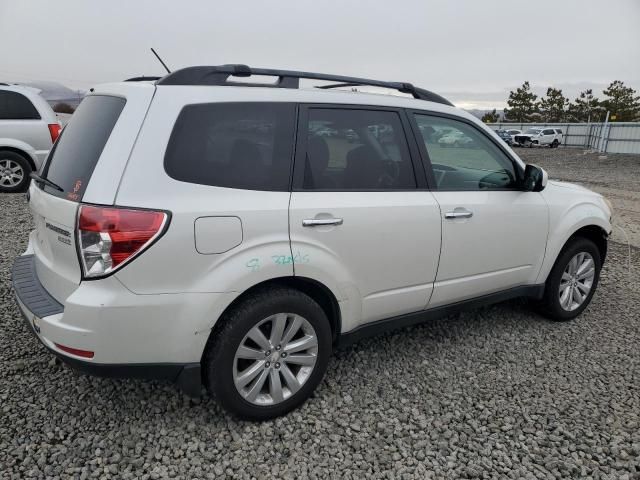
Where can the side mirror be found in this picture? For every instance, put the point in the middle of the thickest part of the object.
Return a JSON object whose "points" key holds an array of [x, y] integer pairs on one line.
{"points": [[535, 178]]}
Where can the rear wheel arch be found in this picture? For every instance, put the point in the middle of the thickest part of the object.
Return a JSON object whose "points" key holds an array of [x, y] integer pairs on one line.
{"points": [[21, 153], [317, 291]]}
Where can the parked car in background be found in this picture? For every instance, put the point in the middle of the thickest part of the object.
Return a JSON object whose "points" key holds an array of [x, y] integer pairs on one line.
{"points": [[513, 132], [204, 233], [455, 138], [505, 136], [28, 129], [539, 136]]}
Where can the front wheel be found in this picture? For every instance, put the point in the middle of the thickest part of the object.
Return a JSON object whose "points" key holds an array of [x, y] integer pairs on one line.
{"points": [[269, 354], [572, 281]]}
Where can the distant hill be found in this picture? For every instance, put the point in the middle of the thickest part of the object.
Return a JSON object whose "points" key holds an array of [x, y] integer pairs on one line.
{"points": [[54, 92]]}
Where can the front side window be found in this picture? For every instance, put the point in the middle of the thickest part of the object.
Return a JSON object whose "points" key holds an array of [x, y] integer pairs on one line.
{"points": [[234, 145], [15, 106], [462, 157], [351, 149]]}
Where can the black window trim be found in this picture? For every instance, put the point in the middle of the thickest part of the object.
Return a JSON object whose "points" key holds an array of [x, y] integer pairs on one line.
{"points": [[426, 160], [300, 149], [34, 118]]}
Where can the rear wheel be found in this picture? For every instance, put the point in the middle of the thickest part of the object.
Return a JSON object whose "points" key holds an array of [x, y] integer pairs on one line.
{"points": [[572, 281], [269, 354], [555, 143], [14, 172]]}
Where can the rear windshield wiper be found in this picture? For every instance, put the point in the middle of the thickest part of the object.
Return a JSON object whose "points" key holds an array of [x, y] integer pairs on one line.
{"points": [[38, 179]]}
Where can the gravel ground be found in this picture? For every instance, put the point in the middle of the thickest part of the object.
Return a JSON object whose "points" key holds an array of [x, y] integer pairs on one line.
{"points": [[492, 393]]}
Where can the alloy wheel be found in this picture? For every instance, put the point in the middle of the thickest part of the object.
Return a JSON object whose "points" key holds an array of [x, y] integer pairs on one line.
{"points": [[577, 281], [11, 173], [275, 358]]}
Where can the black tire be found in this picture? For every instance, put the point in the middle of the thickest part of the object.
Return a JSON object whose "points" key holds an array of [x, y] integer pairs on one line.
{"points": [[550, 306], [218, 360], [555, 144], [21, 161]]}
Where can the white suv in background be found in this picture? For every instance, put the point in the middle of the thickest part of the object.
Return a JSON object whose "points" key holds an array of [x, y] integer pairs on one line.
{"points": [[28, 129], [205, 231], [539, 136]]}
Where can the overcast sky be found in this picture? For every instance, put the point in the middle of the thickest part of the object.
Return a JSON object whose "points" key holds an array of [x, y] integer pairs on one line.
{"points": [[471, 51]]}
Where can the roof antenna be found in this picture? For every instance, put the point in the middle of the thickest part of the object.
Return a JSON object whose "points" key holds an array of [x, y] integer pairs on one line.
{"points": [[160, 60]]}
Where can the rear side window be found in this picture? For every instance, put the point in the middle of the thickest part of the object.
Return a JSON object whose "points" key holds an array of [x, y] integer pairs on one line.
{"points": [[80, 145], [15, 106], [234, 145]]}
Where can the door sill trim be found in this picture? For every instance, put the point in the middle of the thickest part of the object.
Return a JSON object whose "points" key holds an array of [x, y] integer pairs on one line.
{"points": [[407, 320]]}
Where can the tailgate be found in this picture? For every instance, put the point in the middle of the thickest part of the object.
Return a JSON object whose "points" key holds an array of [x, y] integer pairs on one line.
{"points": [[87, 164], [54, 244]]}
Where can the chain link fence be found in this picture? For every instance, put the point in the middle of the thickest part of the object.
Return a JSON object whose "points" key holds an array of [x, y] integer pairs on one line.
{"points": [[617, 137]]}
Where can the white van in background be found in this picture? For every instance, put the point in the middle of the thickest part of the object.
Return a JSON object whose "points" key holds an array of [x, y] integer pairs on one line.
{"points": [[28, 129]]}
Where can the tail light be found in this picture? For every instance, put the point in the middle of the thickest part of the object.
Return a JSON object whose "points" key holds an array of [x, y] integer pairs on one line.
{"points": [[54, 130], [109, 237]]}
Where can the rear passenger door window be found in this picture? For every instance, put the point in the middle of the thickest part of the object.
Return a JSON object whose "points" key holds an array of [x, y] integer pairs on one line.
{"points": [[355, 149], [234, 145], [463, 158]]}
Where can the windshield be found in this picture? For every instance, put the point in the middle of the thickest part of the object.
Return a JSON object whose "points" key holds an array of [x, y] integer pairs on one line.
{"points": [[533, 130]]}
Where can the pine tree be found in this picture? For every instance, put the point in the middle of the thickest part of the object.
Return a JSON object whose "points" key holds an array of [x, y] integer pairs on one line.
{"points": [[553, 106], [622, 102], [491, 117], [522, 104], [586, 108]]}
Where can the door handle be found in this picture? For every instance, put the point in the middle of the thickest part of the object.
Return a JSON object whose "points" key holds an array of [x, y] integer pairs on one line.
{"points": [[316, 222], [458, 213]]}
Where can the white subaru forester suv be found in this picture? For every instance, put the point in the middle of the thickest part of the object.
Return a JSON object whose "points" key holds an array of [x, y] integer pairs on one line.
{"points": [[212, 231]]}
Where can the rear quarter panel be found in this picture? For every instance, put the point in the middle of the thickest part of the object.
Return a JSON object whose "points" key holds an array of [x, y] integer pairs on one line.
{"points": [[173, 264]]}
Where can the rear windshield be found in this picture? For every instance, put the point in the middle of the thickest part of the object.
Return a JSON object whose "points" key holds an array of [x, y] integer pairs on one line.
{"points": [[234, 145], [76, 152]]}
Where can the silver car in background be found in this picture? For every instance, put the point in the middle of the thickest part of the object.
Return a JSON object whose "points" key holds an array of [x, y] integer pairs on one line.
{"points": [[28, 129]]}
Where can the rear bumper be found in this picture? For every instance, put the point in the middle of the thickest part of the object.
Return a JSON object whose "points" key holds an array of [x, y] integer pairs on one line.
{"points": [[43, 315]]}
